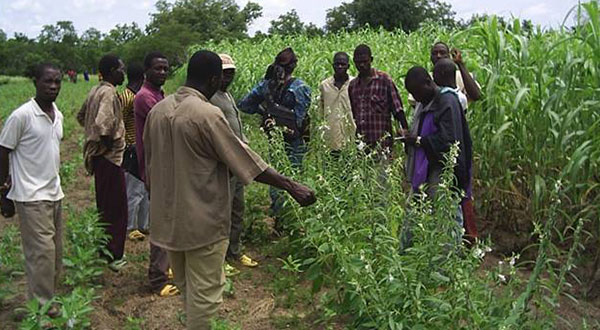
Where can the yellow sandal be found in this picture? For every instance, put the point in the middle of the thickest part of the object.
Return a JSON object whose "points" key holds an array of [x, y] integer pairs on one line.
{"points": [[169, 290]]}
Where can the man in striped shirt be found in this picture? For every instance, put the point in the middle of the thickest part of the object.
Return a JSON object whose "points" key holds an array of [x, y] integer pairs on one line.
{"points": [[137, 199]]}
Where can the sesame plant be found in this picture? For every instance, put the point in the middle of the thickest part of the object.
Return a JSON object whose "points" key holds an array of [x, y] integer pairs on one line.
{"points": [[534, 130]]}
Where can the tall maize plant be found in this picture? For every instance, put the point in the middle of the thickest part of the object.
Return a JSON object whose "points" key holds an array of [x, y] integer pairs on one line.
{"points": [[537, 151]]}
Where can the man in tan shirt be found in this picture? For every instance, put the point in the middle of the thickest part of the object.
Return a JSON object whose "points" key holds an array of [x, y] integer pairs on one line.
{"points": [[102, 118], [190, 150], [334, 105]]}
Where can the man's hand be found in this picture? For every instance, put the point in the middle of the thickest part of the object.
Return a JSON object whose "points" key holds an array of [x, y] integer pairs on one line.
{"points": [[302, 194], [457, 56]]}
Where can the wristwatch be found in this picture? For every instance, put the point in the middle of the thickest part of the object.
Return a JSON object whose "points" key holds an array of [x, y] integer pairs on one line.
{"points": [[418, 142]]}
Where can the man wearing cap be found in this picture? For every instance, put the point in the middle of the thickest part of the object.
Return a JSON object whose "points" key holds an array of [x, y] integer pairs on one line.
{"points": [[224, 100], [290, 94]]}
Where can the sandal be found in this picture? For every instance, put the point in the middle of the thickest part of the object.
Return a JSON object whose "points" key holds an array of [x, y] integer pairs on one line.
{"points": [[136, 235], [230, 270], [247, 261], [169, 290], [117, 265]]}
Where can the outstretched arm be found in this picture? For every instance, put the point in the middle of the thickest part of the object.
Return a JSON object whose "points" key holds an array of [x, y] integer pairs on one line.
{"points": [[301, 193], [473, 91]]}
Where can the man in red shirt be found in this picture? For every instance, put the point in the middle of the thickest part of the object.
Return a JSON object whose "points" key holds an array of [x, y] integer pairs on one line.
{"points": [[156, 68], [374, 99]]}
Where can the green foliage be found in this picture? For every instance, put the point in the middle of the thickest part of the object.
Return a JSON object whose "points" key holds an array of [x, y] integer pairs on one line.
{"points": [[533, 128], [134, 323], [290, 24], [407, 15], [222, 325], [75, 312], [87, 240], [11, 261], [172, 29]]}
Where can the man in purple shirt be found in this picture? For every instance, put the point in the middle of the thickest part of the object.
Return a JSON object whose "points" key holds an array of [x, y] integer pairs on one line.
{"points": [[156, 68]]}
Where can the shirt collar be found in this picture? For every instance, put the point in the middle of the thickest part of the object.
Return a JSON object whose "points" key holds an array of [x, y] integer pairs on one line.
{"points": [[152, 87], [331, 82], [106, 83], [188, 91], [38, 111], [377, 74]]}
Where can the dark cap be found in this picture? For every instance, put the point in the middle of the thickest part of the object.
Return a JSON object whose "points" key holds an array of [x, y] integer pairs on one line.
{"points": [[285, 57]]}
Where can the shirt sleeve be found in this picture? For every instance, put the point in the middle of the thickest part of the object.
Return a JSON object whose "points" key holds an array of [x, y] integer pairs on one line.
{"points": [[396, 104], [105, 119], [12, 131], [229, 149], [141, 107], [147, 154], [249, 103], [81, 113], [302, 96]]}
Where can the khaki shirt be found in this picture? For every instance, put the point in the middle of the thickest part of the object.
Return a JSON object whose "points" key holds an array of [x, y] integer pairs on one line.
{"points": [[225, 102], [190, 150], [334, 106], [101, 115]]}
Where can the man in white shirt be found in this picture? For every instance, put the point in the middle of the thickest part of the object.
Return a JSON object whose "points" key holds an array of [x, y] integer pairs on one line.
{"points": [[31, 136], [466, 86], [334, 105]]}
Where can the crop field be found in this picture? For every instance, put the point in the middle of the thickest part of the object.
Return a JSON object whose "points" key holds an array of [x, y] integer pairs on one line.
{"points": [[537, 191]]}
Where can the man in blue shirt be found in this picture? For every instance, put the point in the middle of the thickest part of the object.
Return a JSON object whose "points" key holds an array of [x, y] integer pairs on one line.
{"points": [[283, 101]]}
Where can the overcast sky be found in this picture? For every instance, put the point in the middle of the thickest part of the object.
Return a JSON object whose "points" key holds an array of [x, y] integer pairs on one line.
{"points": [[28, 16]]}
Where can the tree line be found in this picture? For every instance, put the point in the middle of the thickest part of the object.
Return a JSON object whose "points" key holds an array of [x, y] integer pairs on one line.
{"points": [[176, 26]]}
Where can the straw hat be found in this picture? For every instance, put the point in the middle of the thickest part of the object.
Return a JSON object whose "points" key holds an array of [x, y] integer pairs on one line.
{"points": [[228, 62]]}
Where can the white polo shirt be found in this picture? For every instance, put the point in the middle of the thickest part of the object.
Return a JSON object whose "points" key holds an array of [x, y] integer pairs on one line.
{"points": [[35, 158]]}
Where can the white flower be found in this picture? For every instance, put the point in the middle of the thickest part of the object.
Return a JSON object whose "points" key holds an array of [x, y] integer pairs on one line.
{"points": [[361, 145], [390, 278], [478, 253], [502, 277], [500, 263]]}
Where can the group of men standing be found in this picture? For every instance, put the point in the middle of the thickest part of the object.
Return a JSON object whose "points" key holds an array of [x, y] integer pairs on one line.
{"points": [[175, 167]]}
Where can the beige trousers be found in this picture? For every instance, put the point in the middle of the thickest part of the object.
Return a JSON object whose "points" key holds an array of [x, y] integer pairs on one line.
{"points": [[200, 277], [41, 236]]}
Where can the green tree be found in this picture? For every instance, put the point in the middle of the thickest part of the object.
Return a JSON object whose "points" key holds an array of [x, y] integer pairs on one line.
{"points": [[175, 26], [407, 15], [90, 48], [287, 24], [58, 44], [122, 34], [341, 17], [290, 24]]}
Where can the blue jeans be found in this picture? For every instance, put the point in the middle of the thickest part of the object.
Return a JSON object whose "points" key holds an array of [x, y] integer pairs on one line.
{"points": [[138, 204], [295, 151]]}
